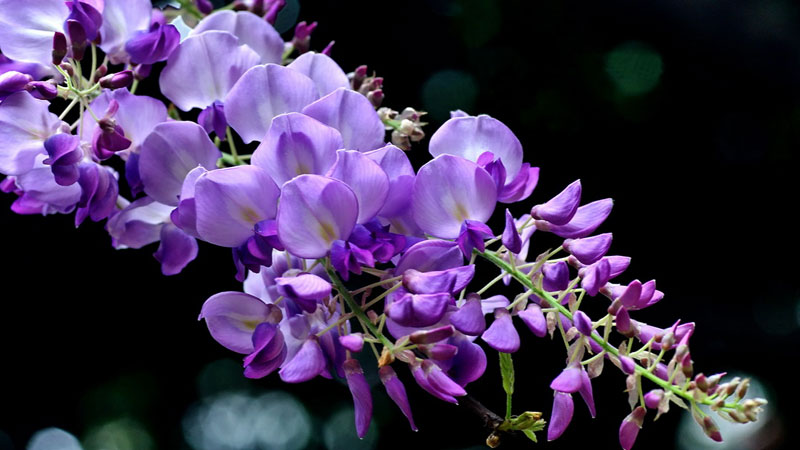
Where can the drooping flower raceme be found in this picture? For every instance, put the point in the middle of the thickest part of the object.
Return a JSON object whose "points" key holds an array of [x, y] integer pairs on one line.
{"points": [[319, 198]]}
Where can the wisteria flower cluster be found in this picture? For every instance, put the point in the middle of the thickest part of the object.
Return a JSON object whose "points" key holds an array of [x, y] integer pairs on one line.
{"points": [[322, 204]]}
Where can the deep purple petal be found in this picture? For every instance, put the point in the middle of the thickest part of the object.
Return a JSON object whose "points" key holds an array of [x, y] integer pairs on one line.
{"points": [[353, 115], [469, 318], [534, 319], [313, 213], [568, 381], [556, 276], [150, 47], [560, 209], [596, 276], [586, 392], [138, 224], [263, 93], [231, 201], [137, 114], [521, 186], [397, 392], [169, 153], [582, 322], [397, 167], [561, 415], [177, 249], [589, 250], [511, 238], [418, 310], [296, 144], [353, 342], [449, 190], [122, 19], [629, 429], [586, 220], [362, 399], [430, 255], [187, 87]]}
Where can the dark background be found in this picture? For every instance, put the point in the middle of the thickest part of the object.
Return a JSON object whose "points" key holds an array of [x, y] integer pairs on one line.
{"points": [[686, 113]]}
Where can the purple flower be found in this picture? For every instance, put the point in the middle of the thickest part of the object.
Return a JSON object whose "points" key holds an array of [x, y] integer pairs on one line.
{"points": [[137, 115], [99, 192], [87, 16], [416, 310], [11, 82], [176, 250], [397, 392], [438, 281], [362, 399], [430, 255], [430, 377], [589, 250], [313, 213], [353, 342], [555, 276], [586, 219], [213, 119], [472, 236], [501, 334], [469, 319], [232, 317], [534, 319], [188, 87], [65, 154], [305, 289], [307, 363], [511, 238], [25, 124], [323, 71], [269, 351], [353, 115], [562, 208], [449, 190], [26, 28], [583, 323], [366, 178], [40, 194], [122, 20], [261, 94], [251, 30]]}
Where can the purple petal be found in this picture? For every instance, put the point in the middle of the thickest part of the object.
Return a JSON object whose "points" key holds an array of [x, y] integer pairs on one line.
{"points": [[65, 155], [397, 167], [187, 87], [99, 192], [305, 289], [25, 124], [630, 297], [534, 319], [630, 427], [362, 399], [561, 415], [269, 353], [150, 47], [627, 364], [488, 305], [353, 115], [213, 119], [122, 19], [430, 255], [568, 381], [469, 137], [137, 114], [252, 31], [431, 336], [353, 342], [138, 224], [586, 220], [596, 276], [26, 28], [397, 392], [418, 310], [326, 74], [521, 186], [185, 215], [169, 153], [560, 209], [623, 322], [313, 213], [556, 276], [589, 250], [12, 81], [469, 318], [469, 364], [618, 264], [583, 323], [501, 334], [366, 178], [177, 249], [449, 190], [296, 144], [232, 317], [511, 238], [306, 364], [450, 280], [231, 201], [41, 194], [262, 93], [586, 393]]}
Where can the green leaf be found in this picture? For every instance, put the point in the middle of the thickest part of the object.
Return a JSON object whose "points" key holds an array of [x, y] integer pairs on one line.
{"points": [[507, 370], [531, 435]]}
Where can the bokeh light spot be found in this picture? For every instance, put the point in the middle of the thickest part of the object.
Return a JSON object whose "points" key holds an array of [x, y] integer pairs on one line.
{"points": [[53, 439], [634, 68], [447, 90], [340, 432], [122, 434]]}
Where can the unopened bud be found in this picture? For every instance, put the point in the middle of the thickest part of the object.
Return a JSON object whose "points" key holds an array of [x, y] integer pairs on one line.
{"points": [[67, 67], [59, 47], [739, 416], [401, 140], [711, 429], [117, 80], [142, 71], [274, 9], [77, 38], [431, 336], [373, 317], [45, 90], [741, 391], [686, 366], [668, 341], [732, 385], [327, 50], [375, 97], [99, 73], [701, 382], [357, 77], [653, 398], [551, 322], [204, 6]]}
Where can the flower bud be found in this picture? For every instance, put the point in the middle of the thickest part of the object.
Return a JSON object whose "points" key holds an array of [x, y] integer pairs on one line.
{"points": [[274, 9], [701, 382], [100, 73], [353, 342], [653, 398], [142, 71], [67, 67], [59, 47], [711, 430], [583, 323], [741, 391], [204, 6], [44, 90], [77, 38], [630, 427], [376, 98], [117, 80], [357, 77], [431, 336]]}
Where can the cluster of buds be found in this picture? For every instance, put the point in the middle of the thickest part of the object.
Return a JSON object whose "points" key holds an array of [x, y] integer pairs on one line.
{"points": [[406, 126], [369, 86], [268, 9]]}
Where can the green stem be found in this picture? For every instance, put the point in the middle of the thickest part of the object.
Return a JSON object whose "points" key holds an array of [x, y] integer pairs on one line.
{"points": [[354, 306], [232, 146], [525, 281], [69, 108]]}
